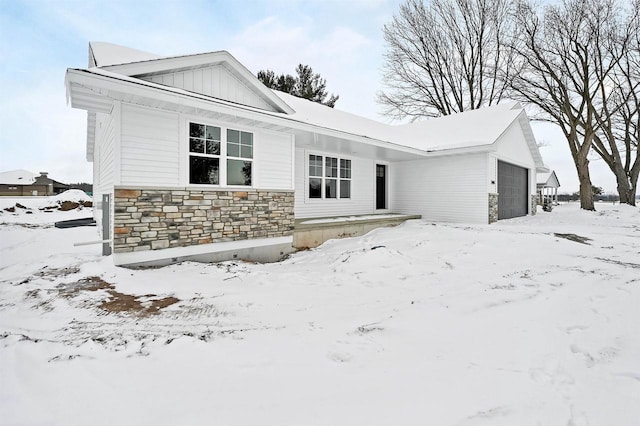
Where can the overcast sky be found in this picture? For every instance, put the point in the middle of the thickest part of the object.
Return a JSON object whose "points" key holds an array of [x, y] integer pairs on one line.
{"points": [[342, 40]]}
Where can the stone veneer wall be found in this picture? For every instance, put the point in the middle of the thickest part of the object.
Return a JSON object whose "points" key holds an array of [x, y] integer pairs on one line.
{"points": [[150, 219], [493, 207]]}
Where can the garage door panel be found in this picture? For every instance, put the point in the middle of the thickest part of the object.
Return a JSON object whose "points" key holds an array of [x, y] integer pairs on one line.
{"points": [[513, 200]]}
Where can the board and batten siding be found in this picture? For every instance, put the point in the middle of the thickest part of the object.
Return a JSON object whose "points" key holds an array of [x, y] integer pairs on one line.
{"points": [[362, 189], [448, 189], [273, 160], [150, 147], [214, 81]]}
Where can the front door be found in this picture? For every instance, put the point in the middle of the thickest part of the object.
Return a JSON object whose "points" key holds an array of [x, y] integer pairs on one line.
{"points": [[381, 186]]}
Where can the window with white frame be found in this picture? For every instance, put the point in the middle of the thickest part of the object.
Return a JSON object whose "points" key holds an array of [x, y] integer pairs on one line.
{"points": [[209, 157], [239, 157], [329, 177], [204, 154]]}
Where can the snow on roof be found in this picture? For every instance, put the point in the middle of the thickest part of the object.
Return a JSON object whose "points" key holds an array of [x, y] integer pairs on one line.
{"points": [[106, 54], [549, 178], [542, 178], [320, 115], [467, 129], [17, 177]]}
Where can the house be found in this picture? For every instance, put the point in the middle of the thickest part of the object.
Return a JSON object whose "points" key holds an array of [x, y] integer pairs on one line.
{"points": [[547, 185], [18, 183], [194, 158]]}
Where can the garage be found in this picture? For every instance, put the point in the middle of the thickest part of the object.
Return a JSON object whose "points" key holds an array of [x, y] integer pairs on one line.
{"points": [[513, 182]]}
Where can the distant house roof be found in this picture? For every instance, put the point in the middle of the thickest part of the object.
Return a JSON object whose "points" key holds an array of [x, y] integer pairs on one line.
{"points": [[548, 179], [17, 177]]}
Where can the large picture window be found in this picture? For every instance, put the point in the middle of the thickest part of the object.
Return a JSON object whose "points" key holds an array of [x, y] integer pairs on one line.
{"points": [[209, 157], [329, 177]]}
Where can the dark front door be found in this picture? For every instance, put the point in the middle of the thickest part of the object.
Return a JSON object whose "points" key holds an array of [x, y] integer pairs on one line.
{"points": [[513, 193], [381, 186]]}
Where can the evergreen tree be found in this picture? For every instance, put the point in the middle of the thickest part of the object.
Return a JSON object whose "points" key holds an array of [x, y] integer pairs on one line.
{"points": [[305, 84]]}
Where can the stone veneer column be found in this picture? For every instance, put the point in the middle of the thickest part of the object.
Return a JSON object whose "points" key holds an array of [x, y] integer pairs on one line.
{"points": [[534, 204], [151, 219], [493, 207]]}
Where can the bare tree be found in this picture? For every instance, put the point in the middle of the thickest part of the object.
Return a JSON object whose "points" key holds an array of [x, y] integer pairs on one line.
{"points": [[446, 56], [560, 53], [618, 117]]}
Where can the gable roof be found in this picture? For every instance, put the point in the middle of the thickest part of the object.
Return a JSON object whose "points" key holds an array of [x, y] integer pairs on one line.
{"points": [[548, 179], [94, 88], [17, 177], [136, 63]]}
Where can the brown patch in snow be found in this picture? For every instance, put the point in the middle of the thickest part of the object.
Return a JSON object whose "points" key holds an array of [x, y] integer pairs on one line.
{"points": [[118, 302], [68, 205]]}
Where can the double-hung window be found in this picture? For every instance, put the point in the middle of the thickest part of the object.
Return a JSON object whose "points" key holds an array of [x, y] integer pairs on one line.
{"points": [[204, 154], [239, 157], [213, 161], [329, 177]]}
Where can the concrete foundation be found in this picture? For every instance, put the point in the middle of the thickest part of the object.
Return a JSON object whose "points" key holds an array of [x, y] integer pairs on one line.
{"points": [[262, 251], [311, 233]]}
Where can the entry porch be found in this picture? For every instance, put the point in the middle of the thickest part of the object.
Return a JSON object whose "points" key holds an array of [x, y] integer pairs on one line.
{"points": [[311, 232]]}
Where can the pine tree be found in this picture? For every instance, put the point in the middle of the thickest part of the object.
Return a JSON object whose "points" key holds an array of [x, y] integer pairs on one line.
{"points": [[305, 85]]}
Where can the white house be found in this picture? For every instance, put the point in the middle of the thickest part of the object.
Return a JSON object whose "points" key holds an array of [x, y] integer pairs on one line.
{"points": [[547, 185], [200, 160]]}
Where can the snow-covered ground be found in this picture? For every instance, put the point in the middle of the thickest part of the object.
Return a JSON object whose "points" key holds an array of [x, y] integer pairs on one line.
{"points": [[438, 324]]}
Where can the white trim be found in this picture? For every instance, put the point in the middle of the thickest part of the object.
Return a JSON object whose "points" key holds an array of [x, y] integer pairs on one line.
{"points": [[117, 142], [194, 250], [293, 161], [183, 149]]}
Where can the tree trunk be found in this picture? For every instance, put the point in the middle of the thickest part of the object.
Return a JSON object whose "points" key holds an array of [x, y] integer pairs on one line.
{"points": [[586, 190], [627, 194]]}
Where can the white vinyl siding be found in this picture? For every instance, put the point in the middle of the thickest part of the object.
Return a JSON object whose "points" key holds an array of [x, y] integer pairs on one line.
{"points": [[273, 160], [512, 148], [150, 147], [448, 189], [362, 189], [214, 81], [104, 160]]}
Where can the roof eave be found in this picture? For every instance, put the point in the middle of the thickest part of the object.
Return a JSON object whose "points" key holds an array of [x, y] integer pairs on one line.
{"points": [[100, 86]]}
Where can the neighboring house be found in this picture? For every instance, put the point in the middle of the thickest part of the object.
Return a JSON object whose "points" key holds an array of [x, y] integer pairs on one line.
{"points": [[547, 185], [18, 183], [201, 160]]}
